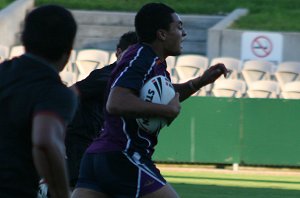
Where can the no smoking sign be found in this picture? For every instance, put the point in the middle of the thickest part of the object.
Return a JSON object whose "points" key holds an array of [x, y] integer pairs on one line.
{"points": [[261, 45]]}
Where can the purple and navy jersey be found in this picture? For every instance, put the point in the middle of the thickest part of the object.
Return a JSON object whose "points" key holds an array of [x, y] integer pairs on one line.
{"points": [[138, 64]]}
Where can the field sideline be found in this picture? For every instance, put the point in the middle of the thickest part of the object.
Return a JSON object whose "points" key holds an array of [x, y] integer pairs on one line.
{"points": [[207, 182]]}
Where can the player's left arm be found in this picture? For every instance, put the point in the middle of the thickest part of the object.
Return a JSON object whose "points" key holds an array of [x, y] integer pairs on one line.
{"points": [[192, 86], [49, 152], [54, 109]]}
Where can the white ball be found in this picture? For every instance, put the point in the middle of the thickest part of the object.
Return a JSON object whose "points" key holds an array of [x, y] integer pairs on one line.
{"points": [[156, 90]]}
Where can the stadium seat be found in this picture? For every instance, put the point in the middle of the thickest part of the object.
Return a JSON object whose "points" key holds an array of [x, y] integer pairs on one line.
{"points": [[68, 77], [90, 59], [254, 70], [112, 58], [189, 66], [71, 68], [291, 90], [70, 64], [171, 61], [263, 89], [232, 64], [1, 59], [16, 50], [287, 72], [229, 88], [4, 51]]}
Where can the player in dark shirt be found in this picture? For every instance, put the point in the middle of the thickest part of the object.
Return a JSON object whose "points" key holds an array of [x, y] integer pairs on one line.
{"points": [[119, 163], [88, 119], [35, 106]]}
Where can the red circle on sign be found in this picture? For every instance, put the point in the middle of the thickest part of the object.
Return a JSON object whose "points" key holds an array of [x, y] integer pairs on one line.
{"points": [[261, 46]]}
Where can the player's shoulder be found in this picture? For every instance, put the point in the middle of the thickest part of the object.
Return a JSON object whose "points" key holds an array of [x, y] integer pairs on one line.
{"points": [[59, 92], [103, 72], [144, 56], [65, 92]]}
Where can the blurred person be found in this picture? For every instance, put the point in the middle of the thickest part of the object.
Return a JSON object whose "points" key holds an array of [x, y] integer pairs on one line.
{"points": [[88, 119], [35, 106], [119, 163]]}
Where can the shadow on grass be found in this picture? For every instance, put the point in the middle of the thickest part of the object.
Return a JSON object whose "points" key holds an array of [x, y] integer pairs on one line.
{"points": [[213, 191]]}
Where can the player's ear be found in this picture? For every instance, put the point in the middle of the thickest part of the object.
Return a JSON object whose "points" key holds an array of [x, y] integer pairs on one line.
{"points": [[118, 52], [161, 34]]}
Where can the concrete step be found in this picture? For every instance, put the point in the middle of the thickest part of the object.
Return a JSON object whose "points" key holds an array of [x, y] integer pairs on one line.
{"points": [[127, 19], [110, 44], [102, 29], [103, 18], [110, 31]]}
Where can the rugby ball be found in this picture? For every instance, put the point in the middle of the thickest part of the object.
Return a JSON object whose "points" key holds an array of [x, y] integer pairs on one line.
{"points": [[156, 90]]}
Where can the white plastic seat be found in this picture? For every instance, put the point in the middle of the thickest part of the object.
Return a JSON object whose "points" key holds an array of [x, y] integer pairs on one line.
{"points": [[112, 58], [69, 66], [254, 70], [291, 90], [229, 88], [70, 70], [171, 61], [90, 59], [189, 66], [232, 64], [2, 59], [68, 77], [4, 51], [16, 50], [263, 89], [287, 72]]}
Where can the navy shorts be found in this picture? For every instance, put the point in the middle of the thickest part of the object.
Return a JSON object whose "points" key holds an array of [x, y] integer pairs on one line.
{"points": [[119, 175], [75, 148]]}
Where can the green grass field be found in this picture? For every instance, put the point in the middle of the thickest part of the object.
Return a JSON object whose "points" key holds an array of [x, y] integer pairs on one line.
{"points": [[274, 15], [233, 184]]}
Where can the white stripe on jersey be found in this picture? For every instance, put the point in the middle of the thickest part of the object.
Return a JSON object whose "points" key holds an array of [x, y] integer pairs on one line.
{"points": [[135, 160], [130, 64]]}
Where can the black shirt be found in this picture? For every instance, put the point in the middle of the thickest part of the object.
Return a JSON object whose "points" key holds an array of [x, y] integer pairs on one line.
{"points": [[28, 86], [89, 119]]}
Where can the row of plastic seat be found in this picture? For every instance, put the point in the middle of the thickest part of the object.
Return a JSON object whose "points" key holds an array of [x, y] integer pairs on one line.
{"points": [[244, 78], [252, 78], [189, 66], [80, 64], [258, 89], [252, 81]]}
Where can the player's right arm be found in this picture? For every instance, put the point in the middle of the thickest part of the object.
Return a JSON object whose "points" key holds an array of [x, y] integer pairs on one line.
{"points": [[209, 76], [49, 152], [124, 102]]}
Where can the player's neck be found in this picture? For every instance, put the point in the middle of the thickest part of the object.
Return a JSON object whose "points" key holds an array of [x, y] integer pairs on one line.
{"points": [[158, 49]]}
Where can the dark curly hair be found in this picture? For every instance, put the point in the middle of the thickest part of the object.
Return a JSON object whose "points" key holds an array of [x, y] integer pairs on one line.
{"points": [[127, 39], [150, 18], [49, 32]]}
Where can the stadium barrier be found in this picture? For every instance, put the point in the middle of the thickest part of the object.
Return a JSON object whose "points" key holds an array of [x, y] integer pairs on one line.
{"points": [[248, 131]]}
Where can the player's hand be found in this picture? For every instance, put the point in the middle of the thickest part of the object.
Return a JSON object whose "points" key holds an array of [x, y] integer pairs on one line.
{"points": [[175, 107], [213, 73]]}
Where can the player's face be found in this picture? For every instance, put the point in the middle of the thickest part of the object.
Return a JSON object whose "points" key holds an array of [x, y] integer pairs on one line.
{"points": [[175, 35]]}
